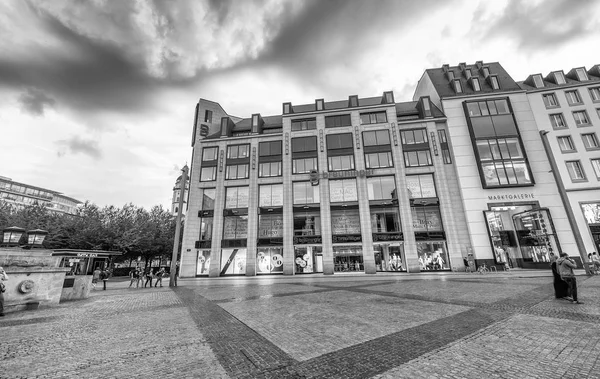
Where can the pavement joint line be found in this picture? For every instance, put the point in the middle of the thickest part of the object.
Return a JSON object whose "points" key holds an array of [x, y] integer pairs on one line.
{"points": [[259, 297], [27, 321]]}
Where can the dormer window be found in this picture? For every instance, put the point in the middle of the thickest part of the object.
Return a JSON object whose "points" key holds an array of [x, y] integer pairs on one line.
{"points": [[287, 108], [389, 97], [494, 82], [475, 84], [320, 103], [353, 101], [457, 86], [538, 81], [450, 75], [486, 72], [581, 74], [559, 77], [445, 67], [468, 73], [254, 120]]}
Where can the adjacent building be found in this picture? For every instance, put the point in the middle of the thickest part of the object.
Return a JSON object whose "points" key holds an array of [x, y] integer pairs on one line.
{"points": [[21, 194], [177, 195], [566, 108]]}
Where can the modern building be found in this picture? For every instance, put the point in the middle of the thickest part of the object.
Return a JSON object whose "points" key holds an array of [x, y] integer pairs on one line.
{"points": [[176, 196], [363, 184], [21, 194], [566, 108], [512, 205]]}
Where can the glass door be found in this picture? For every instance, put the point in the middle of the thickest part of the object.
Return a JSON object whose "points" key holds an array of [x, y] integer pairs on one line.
{"points": [[536, 236]]}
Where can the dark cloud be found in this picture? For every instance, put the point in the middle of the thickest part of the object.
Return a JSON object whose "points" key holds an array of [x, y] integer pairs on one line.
{"points": [[77, 145], [34, 101], [540, 25]]}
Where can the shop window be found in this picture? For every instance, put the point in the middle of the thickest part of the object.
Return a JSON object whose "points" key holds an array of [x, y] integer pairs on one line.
{"points": [[389, 257], [304, 124], [307, 223], [420, 186], [305, 193], [203, 263], [308, 259], [345, 222], [343, 190], [337, 121], [233, 261], [271, 195], [373, 118], [270, 225], [381, 188], [236, 197], [208, 199], [348, 258], [433, 256], [235, 227], [385, 220], [426, 218], [206, 228], [269, 260]]}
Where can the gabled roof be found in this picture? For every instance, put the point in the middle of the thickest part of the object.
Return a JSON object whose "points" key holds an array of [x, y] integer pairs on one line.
{"points": [[445, 89], [593, 78]]}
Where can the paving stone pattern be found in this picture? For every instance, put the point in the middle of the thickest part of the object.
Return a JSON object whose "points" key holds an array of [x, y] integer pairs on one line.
{"points": [[418, 326]]}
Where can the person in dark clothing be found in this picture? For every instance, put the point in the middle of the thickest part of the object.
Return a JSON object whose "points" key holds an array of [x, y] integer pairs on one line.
{"points": [[104, 276], [148, 276], [565, 268], [561, 288]]}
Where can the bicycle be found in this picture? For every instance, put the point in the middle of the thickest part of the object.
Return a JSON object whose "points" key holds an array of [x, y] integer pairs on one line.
{"points": [[483, 269]]}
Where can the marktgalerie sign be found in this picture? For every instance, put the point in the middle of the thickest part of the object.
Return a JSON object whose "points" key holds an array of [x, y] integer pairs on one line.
{"points": [[512, 196]]}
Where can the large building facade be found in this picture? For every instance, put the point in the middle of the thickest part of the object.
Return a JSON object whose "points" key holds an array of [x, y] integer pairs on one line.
{"points": [[371, 185], [21, 194], [566, 108]]}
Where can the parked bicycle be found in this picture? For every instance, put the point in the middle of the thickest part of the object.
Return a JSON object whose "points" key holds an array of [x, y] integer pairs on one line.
{"points": [[483, 269]]}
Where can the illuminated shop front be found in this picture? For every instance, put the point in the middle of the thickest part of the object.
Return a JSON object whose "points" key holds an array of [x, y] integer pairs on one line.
{"points": [[591, 212]]}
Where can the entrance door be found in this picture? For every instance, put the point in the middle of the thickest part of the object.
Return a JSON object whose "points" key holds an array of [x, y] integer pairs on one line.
{"points": [[536, 237]]}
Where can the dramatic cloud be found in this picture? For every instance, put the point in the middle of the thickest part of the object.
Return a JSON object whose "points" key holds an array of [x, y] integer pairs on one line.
{"points": [[541, 25], [34, 101], [77, 145]]}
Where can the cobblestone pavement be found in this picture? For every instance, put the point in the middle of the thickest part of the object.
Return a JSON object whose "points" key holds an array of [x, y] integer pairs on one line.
{"points": [[505, 325]]}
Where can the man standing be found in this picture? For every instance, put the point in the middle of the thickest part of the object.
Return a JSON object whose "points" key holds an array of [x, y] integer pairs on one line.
{"points": [[159, 275], [148, 276], [565, 269], [104, 276]]}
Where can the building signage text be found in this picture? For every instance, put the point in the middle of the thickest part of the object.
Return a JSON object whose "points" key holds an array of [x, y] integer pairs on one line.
{"points": [[92, 255], [512, 196], [345, 174]]}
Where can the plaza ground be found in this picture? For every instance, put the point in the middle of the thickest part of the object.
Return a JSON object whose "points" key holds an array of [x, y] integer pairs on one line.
{"points": [[450, 325]]}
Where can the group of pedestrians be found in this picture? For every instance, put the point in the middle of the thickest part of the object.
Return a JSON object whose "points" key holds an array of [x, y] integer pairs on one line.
{"points": [[565, 283], [137, 276]]}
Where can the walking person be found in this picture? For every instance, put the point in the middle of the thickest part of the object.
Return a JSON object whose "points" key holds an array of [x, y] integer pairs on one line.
{"points": [[104, 276], [3, 277], [565, 269], [561, 288], [133, 276], [159, 276], [148, 276], [96, 277]]}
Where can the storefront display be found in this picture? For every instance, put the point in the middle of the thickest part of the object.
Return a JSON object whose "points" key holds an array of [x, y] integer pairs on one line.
{"points": [[233, 262], [433, 256], [309, 259], [389, 257], [348, 258], [203, 262], [269, 260]]}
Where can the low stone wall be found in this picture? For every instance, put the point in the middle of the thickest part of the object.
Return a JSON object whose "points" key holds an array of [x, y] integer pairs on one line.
{"points": [[76, 287]]}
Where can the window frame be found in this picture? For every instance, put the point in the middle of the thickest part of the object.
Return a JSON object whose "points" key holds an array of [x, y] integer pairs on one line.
{"points": [[594, 138], [304, 121], [580, 167], [568, 146], [237, 147], [552, 117], [573, 97], [552, 96], [595, 162], [595, 94], [237, 165], [584, 112], [204, 150], [338, 119], [373, 117], [214, 173]]}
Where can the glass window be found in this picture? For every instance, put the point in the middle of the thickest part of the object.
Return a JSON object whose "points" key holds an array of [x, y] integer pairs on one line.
{"points": [[473, 109], [411, 137], [208, 174], [269, 260], [417, 158], [373, 118], [343, 190], [345, 222], [476, 86], [305, 124], [270, 225], [210, 153], [596, 166], [337, 121], [559, 77], [420, 186], [385, 220], [270, 195], [581, 74], [581, 118], [494, 82], [573, 97], [538, 81], [208, 199], [269, 169], [557, 120], [235, 227], [590, 141], [550, 100], [457, 86], [575, 170], [304, 165], [207, 116], [270, 148], [239, 171], [427, 219], [341, 162], [206, 228], [305, 193], [376, 138], [236, 197], [379, 160], [307, 223], [504, 125], [238, 151], [566, 144], [595, 94], [483, 127], [339, 141], [381, 188], [233, 261]]}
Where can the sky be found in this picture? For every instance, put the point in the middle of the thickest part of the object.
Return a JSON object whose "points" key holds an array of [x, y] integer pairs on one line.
{"points": [[97, 98]]}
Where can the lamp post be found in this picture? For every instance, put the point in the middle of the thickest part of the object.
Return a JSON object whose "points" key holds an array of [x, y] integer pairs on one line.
{"points": [[565, 200], [12, 235], [35, 237], [178, 227]]}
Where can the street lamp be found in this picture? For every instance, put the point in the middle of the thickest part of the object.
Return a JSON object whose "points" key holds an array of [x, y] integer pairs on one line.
{"points": [[12, 235], [36, 237]]}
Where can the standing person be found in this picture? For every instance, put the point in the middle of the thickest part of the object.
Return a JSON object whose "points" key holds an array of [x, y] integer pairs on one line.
{"points": [[596, 260], [176, 273], [132, 277], [565, 269], [104, 276], [561, 288], [148, 276], [159, 275], [3, 277], [96, 277]]}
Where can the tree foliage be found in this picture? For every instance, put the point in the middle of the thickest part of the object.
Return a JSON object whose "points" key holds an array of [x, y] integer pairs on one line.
{"points": [[132, 230]]}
